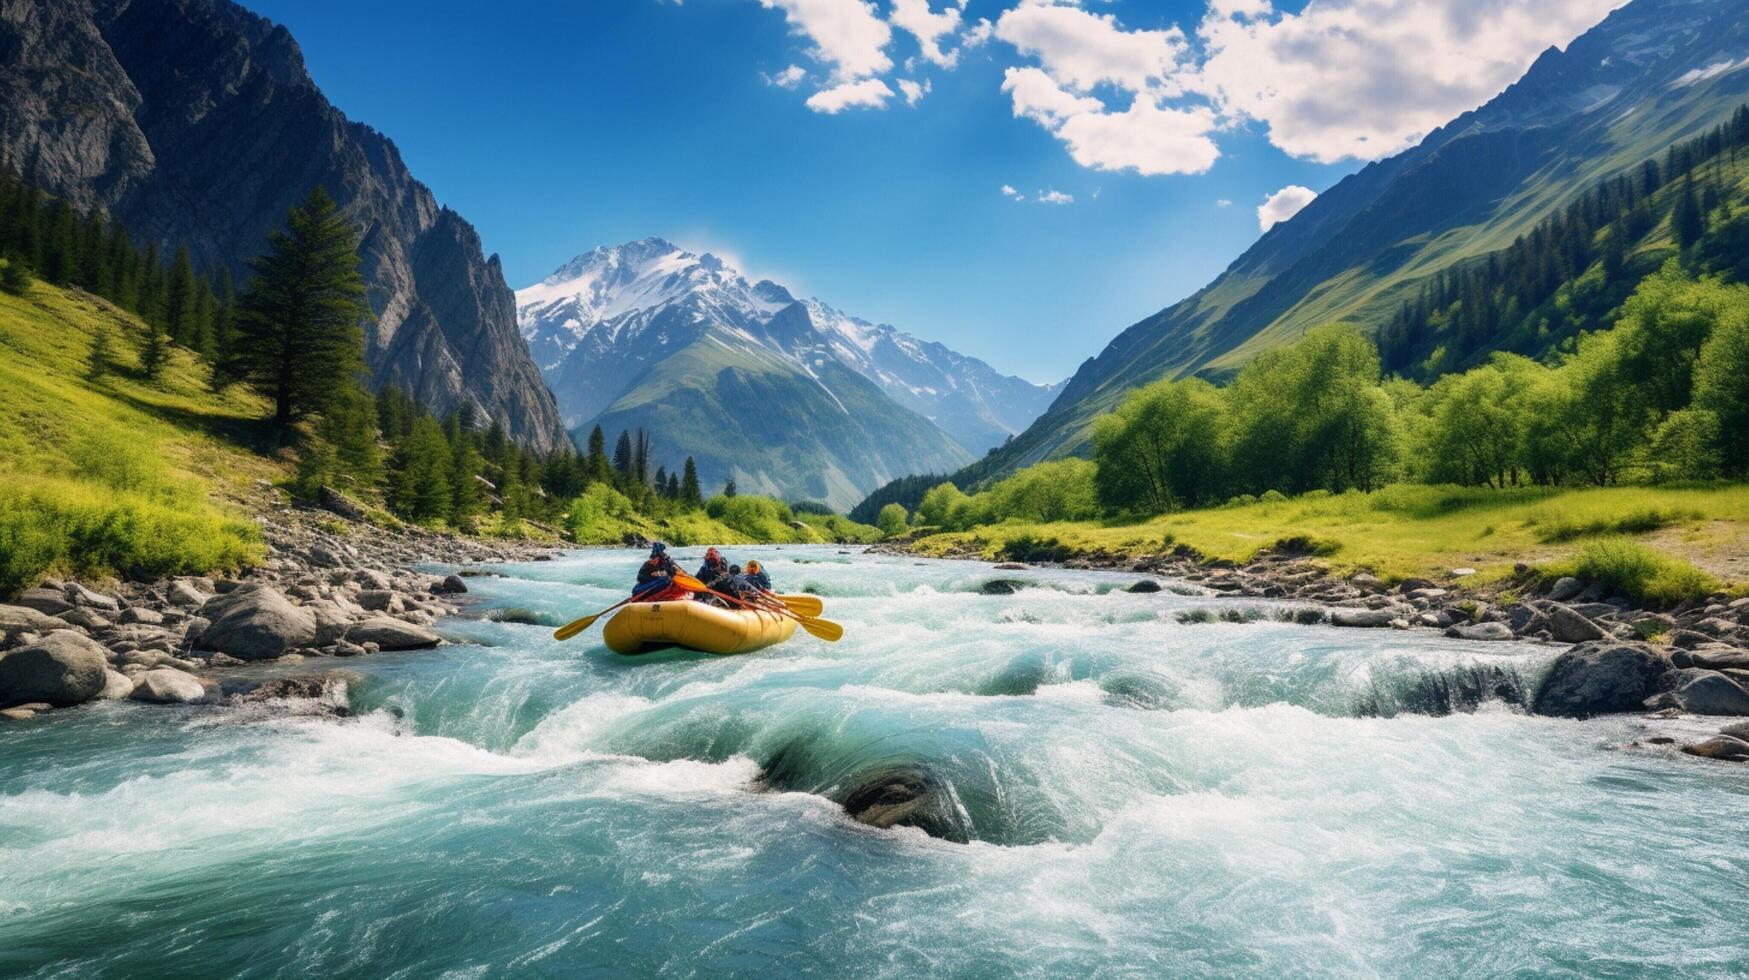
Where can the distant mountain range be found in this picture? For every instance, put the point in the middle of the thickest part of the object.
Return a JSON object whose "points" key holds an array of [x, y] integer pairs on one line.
{"points": [[1653, 73], [788, 396], [194, 121]]}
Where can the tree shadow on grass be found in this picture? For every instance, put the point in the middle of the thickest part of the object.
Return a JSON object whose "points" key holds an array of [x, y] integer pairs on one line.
{"points": [[255, 434]]}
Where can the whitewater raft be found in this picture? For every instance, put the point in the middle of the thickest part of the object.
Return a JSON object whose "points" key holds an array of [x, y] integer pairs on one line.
{"points": [[646, 626]]}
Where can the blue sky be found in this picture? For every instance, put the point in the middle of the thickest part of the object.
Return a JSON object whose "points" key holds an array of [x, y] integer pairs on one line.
{"points": [[558, 126]]}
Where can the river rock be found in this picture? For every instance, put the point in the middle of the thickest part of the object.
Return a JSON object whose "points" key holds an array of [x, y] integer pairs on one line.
{"points": [[21, 619], [1720, 747], [1002, 586], [116, 686], [79, 595], [1600, 677], [1568, 625], [62, 668], [1703, 692], [46, 601], [1565, 587], [85, 618], [1731, 659], [451, 585], [166, 685], [374, 578], [904, 796], [1480, 631], [184, 593], [389, 633], [382, 600], [1361, 618], [1146, 585], [255, 622], [143, 616]]}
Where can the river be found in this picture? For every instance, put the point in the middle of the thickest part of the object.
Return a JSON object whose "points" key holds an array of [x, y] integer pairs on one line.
{"points": [[1134, 785]]}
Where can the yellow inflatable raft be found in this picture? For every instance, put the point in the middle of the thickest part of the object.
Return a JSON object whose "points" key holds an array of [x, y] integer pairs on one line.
{"points": [[645, 626]]}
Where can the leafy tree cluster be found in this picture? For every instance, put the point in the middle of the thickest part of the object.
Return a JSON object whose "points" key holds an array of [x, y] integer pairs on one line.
{"points": [[906, 491], [1578, 264], [46, 237]]}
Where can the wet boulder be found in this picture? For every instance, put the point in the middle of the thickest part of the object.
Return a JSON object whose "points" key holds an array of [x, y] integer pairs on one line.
{"points": [[167, 685], [1600, 677], [451, 585], [1720, 747], [63, 668], [1146, 585], [50, 602], [1568, 625], [255, 622], [389, 633], [1362, 618], [1002, 586], [116, 686], [1703, 692], [1480, 631], [904, 796]]}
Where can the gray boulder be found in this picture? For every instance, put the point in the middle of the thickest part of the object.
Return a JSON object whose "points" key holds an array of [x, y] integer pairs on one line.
{"points": [[1720, 747], [166, 685], [1600, 677], [47, 601], [453, 585], [391, 634], [1361, 618], [62, 668], [79, 595], [1703, 692], [116, 686], [182, 593], [1720, 659], [22, 619], [1568, 625], [1481, 631], [254, 622], [85, 618], [140, 615], [1565, 587]]}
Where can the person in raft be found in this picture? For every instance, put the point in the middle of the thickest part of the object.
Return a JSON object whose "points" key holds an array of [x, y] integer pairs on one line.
{"points": [[657, 573], [756, 576], [714, 569]]}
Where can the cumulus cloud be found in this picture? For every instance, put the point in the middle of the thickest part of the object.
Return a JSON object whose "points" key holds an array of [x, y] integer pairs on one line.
{"points": [[1055, 197], [928, 27], [869, 93], [1008, 191], [1283, 204], [1145, 138], [1363, 79], [913, 90], [788, 78], [1223, 203], [847, 35], [1082, 49]]}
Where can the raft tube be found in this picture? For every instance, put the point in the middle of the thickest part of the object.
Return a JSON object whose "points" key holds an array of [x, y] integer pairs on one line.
{"points": [[645, 626]]}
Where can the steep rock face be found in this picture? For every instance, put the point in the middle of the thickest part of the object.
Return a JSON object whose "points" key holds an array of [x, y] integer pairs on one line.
{"points": [[1653, 73], [788, 396], [195, 121]]}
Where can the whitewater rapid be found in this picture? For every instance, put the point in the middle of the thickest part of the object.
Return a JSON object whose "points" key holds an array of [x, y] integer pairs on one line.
{"points": [[1124, 789]]}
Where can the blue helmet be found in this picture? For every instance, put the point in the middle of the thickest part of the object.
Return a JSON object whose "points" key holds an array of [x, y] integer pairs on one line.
{"points": [[657, 548]]}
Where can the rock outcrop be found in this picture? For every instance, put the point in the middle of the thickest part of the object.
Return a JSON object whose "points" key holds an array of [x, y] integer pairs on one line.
{"points": [[195, 121], [1600, 678], [61, 669]]}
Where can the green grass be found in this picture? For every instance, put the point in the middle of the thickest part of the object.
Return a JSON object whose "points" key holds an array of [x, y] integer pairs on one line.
{"points": [[1410, 530], [116, 476], [1638, 572]]}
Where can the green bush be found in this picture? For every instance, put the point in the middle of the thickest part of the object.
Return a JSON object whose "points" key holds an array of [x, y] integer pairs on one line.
{"points": [[1638, 572], [599, 515], [75, 527], [760, 518], [892, 520]]}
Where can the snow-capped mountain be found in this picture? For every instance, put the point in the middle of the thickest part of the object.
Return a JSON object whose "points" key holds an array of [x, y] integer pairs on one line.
{"points": [[629, 328]]}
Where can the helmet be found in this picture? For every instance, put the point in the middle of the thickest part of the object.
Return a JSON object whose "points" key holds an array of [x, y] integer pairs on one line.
{"points": [[657, 548], [753, 566], [712, 554], [734, 569]]}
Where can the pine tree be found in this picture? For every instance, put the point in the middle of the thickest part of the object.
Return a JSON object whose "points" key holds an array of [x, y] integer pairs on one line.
{"points": [[298, 338], [30, 224], [102, 355], [123, 269], [419, 486], [641, 459], [673, 490], [94, 274], [179, 299], [14, 276], [202, 324], [61, 246], [689, 491], [622, 454], [729, 488], [224, 315], [1686, 218], [149, 274], [153, 351], [595, 462], [661, 483]]}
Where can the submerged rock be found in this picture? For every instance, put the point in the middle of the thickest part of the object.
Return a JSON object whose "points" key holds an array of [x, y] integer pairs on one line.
{"points": [[1146, 585], [1720, 747], [1002, 586], [1703, 692], [1600, 677], [63, 668], [904, 796]]}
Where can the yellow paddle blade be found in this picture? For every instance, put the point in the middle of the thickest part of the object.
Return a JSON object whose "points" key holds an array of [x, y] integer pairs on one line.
{"points": [[825, 629], [574, 627], [689, 583], [806, 605]]}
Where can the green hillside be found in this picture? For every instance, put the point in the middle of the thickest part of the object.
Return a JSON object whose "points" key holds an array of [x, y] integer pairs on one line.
{"points": [[113, 474]]}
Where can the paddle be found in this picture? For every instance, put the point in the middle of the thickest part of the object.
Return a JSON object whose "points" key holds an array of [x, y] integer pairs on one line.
{"points": [[805, 605], [574, 627], [824, 629]]}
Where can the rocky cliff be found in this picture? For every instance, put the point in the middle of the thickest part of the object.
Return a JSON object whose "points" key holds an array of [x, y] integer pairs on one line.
{"points": [[195, 121]]}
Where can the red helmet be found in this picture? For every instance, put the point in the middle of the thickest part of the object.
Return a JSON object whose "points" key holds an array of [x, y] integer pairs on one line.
{"points": [[712, 554]]}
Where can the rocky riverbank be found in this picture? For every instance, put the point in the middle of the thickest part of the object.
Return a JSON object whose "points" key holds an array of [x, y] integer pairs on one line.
{"points": [[1689, 660], [333, 586]]}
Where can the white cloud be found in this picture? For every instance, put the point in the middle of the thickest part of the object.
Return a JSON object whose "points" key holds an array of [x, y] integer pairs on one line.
{"points": [[1055, 197], [1283, 204], [1144, 138], [788, 78], [913, 90], [847, 34], [1082, 50], [870, 93], [928, 27], [977, 35], [1223, 203], [1368, 78], [1009, 191]]}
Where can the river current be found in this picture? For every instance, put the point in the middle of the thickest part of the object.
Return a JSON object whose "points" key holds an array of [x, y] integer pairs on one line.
{"points": [[1122, 785]]}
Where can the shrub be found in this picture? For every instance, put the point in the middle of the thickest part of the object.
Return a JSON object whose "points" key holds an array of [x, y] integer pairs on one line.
{"points": [[1638, 572], [760, 518], [599, 515], [893, 521]]}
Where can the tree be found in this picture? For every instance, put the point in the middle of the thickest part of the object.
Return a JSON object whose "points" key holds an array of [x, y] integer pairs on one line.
{"points": [[1721, 386], [1687, 221], [661, 482], [1163, 448], [179, 300], [673, 490], [61, 246], [690, 494], [102, 355], [595, 461], [622, 455], [729, 488], [154, 351], [349, 425], [14, 278], [936, 508], [224, 313], [419, 487], [298, 337], [893, 520]]}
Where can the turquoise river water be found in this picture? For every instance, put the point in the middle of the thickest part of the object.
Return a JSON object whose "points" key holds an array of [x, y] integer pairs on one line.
{"points": [[1131, 791]]}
